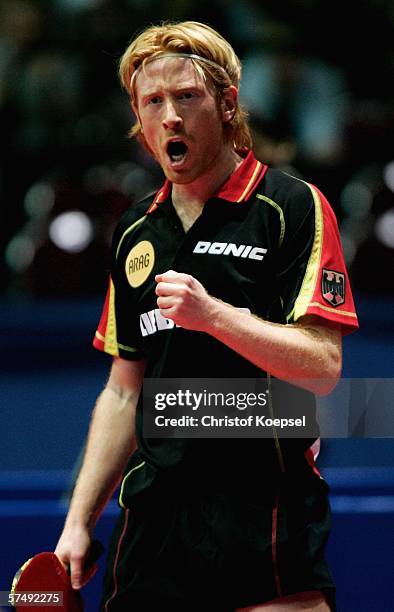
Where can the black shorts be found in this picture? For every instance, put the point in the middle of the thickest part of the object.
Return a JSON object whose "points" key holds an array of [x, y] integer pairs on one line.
{"points": [[192, 545]]}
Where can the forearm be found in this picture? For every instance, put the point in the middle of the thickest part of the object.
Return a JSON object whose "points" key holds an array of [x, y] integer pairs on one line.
{"points": [[110, 443], [309, 355]]}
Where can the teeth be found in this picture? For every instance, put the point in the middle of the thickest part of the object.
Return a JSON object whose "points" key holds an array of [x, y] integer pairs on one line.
{"points": [[176, 150]]}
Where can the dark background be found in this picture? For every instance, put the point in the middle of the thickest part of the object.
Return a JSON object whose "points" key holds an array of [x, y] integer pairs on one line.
{"points": [[318, 84]]}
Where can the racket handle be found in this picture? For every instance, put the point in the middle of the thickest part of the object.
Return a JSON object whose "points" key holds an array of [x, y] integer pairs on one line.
{"points": [[95, 551]]}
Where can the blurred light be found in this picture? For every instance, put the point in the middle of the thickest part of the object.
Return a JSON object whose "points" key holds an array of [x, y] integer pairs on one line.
{"points": [[349, 247], [97, 179], [388, 175], [356, 199], [71, 231], [39, 199], [120, 171], [362, 504], [91, 130], [134, 181], [356, 229], [19, 253], [384, 228], [79, 4]]}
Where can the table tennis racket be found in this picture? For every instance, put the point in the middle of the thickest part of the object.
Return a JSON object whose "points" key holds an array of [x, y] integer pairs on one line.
{"points": [[40, 580]]}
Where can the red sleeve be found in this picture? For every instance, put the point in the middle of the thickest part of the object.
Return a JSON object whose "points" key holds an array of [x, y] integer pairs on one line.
{"points": [[326, 290], [116, 334], [99, 338]]}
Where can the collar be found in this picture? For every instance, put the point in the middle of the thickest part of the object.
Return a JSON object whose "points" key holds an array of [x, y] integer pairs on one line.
{"points": [[238, 186]]}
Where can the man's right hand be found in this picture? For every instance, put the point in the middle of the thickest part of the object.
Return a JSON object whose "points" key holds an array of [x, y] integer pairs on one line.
{"points": [[72, 550]]}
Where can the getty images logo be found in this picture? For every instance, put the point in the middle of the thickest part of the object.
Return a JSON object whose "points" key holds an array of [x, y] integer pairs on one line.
{"points": [[229, 248]]}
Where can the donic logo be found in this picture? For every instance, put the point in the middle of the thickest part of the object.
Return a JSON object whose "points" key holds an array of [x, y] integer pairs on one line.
{"points": [[229, 248]]}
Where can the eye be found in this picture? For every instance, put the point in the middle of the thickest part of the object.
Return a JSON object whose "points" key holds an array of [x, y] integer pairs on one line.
{"points": [[186, 95], [154, 100]]}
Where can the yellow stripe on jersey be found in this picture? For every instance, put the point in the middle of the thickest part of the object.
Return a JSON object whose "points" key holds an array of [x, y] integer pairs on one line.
{"points": [[130, 349], [129, 229], [281, 216], [124, 481], [345, 313], [312, 270], [110, 341], [99, 336], [250, 183]]}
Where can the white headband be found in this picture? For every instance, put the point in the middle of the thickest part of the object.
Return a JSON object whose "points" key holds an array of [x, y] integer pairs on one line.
{"points": [[170, 54]]}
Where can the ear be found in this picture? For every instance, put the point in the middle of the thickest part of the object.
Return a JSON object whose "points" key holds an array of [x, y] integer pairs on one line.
{"points": [[228, 104], [134, 108]]}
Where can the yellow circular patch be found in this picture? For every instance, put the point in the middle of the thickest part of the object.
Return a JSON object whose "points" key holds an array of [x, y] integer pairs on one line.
{"points": [[139, 263]]}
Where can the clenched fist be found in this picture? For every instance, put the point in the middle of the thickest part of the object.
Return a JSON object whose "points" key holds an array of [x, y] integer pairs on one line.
{"points": [[183, 299]]}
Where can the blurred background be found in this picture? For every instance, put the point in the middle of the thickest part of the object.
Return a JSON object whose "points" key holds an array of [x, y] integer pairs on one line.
{"points": [[318, 84]]}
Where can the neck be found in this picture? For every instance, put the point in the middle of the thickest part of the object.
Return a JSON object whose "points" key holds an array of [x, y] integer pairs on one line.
{"points": [[200, 190]]}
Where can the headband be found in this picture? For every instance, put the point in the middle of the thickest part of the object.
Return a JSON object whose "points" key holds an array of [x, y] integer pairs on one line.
{"points": [[192, 56]]}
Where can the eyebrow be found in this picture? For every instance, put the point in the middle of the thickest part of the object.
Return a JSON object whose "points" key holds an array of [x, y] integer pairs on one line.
{"points": [[159, 90]]}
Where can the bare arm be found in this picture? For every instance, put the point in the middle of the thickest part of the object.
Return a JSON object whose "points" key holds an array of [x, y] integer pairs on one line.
{"points": [[111, 441], [309, 351]]}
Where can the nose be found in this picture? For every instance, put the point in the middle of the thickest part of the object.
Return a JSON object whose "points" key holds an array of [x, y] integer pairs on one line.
{"points": [[171, 117]]}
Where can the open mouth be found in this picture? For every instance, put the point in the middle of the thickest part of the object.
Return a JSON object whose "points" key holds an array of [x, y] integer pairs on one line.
{"points": [[176, 150]]}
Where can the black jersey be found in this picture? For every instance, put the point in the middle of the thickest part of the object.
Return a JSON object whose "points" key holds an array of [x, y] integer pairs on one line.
{"points": [[266, 242]]}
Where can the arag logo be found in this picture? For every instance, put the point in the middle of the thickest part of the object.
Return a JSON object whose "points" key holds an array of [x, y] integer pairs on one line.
{"points": [[229, 248], [139, 263]]}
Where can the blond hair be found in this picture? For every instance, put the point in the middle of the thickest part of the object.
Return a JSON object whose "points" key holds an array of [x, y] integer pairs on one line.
{"points": [[197, 39]]}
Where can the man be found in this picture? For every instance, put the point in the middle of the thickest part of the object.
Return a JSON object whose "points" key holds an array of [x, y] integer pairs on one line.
{"points": [[224, 524]]}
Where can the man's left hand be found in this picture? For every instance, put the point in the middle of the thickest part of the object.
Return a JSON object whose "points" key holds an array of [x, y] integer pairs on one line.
{"points": [[183, 299]]}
